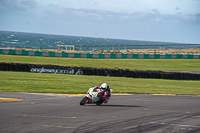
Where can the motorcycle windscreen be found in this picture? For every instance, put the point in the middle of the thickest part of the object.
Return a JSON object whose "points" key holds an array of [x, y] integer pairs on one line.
{"points": [[96, 89]]}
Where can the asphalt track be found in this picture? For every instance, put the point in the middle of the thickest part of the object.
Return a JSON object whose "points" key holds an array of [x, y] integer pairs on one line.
{"points": [[49, 113]]}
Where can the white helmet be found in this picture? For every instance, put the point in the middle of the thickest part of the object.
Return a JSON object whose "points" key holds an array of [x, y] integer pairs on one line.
{"points": [[104, 86]]}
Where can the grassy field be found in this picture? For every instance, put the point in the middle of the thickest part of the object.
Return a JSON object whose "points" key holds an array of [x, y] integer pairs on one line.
{"points": [[139, 64], [65, 83]]}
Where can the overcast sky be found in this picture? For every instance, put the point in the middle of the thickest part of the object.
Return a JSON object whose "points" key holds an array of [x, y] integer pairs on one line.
{"points": [[149, 20]]}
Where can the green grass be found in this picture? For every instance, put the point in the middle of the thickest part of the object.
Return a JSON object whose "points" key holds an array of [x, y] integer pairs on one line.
{"points": [[65, 83], [139, 64]]}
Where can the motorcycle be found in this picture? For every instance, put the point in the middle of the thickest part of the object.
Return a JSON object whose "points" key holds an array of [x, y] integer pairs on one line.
{"points": [[93, 96]]}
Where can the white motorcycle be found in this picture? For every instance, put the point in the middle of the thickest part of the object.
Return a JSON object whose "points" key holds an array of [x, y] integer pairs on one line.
{"points": [[93, 96]]}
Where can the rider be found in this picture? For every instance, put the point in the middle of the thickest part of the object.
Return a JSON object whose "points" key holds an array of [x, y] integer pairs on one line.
{"points": [[106, 90]]}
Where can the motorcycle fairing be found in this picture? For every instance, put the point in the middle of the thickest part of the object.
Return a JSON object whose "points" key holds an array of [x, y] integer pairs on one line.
{"points": [[93, 94]]}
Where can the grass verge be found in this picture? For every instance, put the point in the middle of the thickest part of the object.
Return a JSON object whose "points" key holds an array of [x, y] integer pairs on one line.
{"points": [[74, 84], [139, 64]]}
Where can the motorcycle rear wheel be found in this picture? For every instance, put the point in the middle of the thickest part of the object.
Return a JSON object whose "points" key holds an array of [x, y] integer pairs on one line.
{"points": [[83, 101], [99, 103]]}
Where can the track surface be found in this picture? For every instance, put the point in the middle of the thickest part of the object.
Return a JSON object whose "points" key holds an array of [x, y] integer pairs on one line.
{"points": [[132, 113]]}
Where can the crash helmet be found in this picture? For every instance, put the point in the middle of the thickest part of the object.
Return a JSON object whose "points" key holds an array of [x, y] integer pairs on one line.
{"points": [[104, 86]]}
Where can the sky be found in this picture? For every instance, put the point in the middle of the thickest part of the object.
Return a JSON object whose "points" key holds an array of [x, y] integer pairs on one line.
{"points": [[146, 20]]}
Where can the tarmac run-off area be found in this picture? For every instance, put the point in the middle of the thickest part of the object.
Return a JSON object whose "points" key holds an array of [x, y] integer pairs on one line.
{"points": [[37, 112]]}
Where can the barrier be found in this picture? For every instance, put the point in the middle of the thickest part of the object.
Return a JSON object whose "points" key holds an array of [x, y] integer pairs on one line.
{"points": [[99, 55], [129, 47], [155, 74], [1, 51]]}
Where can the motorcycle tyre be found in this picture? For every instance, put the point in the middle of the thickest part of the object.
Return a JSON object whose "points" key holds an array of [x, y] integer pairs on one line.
{"points": [[99, 103], [83, 101]]}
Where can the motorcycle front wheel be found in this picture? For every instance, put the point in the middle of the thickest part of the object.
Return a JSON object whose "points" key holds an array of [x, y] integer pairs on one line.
{"points": [[83, 101]]}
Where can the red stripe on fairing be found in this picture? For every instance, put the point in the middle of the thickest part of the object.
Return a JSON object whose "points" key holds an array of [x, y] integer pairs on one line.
{"points": [[89, 99]]}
